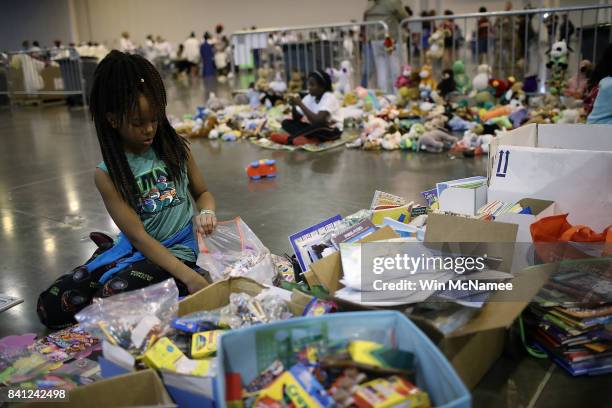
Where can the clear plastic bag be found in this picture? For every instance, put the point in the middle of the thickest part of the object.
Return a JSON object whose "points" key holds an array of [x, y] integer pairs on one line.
{"points": [[129, 319], [233, 250]]}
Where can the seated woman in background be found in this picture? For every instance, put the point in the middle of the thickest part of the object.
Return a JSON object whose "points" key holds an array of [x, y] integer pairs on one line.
{"points": [[315, 118], [601, 91]]}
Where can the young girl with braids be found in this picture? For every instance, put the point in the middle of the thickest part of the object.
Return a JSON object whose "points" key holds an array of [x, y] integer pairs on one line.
{"points": [[315, 118], [145, 181]]}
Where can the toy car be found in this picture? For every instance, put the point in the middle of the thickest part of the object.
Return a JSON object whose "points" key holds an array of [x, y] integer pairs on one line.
{"points": [[261, 168]]}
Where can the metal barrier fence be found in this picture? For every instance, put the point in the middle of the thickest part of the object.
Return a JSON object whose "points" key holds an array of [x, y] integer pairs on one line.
{"points": [[43, 74], [512, 42], [306, 48]]}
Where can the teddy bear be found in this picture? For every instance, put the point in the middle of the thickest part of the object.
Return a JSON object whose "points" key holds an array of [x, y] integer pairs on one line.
{"points": [[427, 83], [515, 92], [404, 79], [447, 84], [296, 83], [481, 80], [557, 63], [437, 122], [371, 135], [436, 44], [344, 77], [462, 80], [263, 77]]}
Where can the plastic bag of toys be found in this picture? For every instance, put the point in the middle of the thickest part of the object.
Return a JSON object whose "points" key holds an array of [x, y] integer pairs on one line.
{"points": [[233, 250]]}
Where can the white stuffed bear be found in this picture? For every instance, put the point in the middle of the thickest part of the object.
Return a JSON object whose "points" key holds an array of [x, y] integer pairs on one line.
{"points": [[481, 80], [343, 77]]}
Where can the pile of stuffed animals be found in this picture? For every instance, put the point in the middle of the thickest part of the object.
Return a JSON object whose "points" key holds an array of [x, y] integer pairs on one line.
{"points": [[458, 113]]}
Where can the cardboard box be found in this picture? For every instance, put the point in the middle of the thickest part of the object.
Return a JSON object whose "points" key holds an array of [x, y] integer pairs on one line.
{"points": [[461, 200], [539, 210], [473, 348], [568, 164], [217, 295], [142, 388]]}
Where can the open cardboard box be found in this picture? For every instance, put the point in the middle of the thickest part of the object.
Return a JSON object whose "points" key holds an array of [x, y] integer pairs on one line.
{"points": [[217, 295], [539, 209], [474, 347], [568, 164], [141, 389]]}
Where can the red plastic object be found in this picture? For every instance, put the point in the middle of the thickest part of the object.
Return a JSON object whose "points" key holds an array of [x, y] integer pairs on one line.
{"points": [[261, 168]]}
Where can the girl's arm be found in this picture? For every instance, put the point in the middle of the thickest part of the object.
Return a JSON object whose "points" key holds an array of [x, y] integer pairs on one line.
{"points": [[321, 118], [130, 224], [206, 222]]}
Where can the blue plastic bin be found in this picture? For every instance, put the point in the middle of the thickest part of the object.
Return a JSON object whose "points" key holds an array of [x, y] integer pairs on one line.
{"points": [[249, 351]]}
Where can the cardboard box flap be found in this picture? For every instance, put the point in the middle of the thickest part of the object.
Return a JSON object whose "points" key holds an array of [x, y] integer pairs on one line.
{"points": [[329, 269], [141, 388], [217, 295], [536, 205], [504, 307], [496, 239]]}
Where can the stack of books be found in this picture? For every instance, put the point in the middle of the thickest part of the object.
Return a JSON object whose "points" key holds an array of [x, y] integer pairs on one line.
{"points": [[571, 319]]}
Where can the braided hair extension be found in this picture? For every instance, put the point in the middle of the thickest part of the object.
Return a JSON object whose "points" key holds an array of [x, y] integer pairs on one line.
{"points": [[119, 80]]}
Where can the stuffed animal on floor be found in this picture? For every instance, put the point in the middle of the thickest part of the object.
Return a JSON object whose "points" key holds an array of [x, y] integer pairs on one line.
{"points": [[499, 86], [458, 124], [343, 77], [278, 85], [427, 83], [296, 83], [481, 80], [263, 77], [462, 80], [371, 135], [485, 115], [568, 116], [436, 45], [447, 84], [214, 103], [437, 122], [350, 99], [530, 84], [519, 114], [557, 63], [403, 80], [515, 92], [435, 141], [391, 141], [409, 141], [577, 85]]}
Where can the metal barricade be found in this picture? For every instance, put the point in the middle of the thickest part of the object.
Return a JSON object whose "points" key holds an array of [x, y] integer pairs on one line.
{"points": [[43, 74], [307, 48], [512, 43]]}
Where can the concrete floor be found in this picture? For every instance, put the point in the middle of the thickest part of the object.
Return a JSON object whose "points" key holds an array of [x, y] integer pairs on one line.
{"points": [[49, 204]]}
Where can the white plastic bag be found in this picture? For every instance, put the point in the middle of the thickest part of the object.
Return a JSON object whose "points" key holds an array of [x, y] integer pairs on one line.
{"points": [[233, 250]]}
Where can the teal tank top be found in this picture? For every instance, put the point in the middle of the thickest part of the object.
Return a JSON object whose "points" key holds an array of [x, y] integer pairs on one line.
{"points": [[165, 206]]}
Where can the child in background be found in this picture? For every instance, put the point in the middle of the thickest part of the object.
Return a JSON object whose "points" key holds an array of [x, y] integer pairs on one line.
{"points": [[145, 181], [600, 111], [315, 118], [483, 36]]}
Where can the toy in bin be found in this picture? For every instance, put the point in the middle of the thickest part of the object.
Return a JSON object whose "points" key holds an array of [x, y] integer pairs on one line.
{"points": [[261, 169]]}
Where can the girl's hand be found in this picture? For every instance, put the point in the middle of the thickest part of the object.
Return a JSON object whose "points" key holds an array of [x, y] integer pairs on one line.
{"points": [[206, 222], [196, 283]]}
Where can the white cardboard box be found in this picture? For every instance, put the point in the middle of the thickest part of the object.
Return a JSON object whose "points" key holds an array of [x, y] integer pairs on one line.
{"points": [[539, 210], [461, 200], [540, 161]]}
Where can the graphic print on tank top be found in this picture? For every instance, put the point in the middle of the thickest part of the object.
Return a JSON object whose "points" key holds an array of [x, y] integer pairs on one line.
{"points": [[158, 192]]}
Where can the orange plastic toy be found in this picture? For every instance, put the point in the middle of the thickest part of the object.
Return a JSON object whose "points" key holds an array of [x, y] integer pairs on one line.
{"points": [[261, 168]]}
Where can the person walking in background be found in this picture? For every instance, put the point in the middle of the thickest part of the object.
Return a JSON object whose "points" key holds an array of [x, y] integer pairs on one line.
{"points": [[192, 52], [125, 44], [484, 27], [391, 12], [207, 56]]}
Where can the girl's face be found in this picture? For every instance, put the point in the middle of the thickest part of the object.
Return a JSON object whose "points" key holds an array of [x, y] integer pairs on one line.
{"points": [[139, 128], [314, 88]]}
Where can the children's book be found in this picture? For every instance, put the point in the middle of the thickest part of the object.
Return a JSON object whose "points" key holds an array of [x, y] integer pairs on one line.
{"points": [[307, 244]]}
